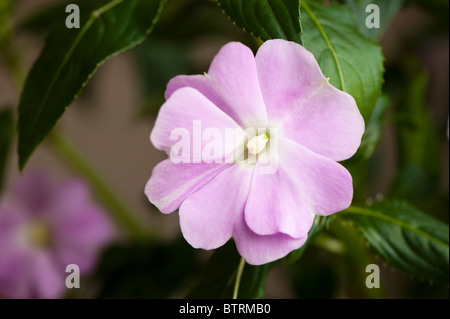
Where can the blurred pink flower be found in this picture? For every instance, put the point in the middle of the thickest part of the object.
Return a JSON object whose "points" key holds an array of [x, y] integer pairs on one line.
{"points": [[267, 214], [43, 228]]}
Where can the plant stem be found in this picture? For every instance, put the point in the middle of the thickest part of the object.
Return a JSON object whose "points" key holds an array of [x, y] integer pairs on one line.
{"points": [[123, 216], [240, 270]]}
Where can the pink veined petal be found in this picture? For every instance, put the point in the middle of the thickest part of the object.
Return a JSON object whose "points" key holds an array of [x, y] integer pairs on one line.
{"points": [[304, 185], [231, 84], [207, 217], [257, 249], [170, 184], [202, 83], [187, 110], [308, 109]]}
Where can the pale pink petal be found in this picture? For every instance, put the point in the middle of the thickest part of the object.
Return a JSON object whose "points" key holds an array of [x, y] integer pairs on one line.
{"points": [[170, 184], [80, 228], [207, 216], [301, 102], [47, 277], [214, 213], [14, 278], [231, 84], [257, 249], [13, 216], [304, 185], [77, 218], [23, 272], [13, 254], [202, 83], [187, 110], [171, 181], [85, 258], [13, 249], [34, 190]]}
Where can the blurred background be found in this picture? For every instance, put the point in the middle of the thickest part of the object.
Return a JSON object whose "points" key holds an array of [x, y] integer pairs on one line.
{"points": [[109, 124]]}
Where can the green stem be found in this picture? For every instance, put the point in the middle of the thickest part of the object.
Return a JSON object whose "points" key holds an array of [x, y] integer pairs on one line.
{"points": [[119, 211], [240, 270], [12, 60]]}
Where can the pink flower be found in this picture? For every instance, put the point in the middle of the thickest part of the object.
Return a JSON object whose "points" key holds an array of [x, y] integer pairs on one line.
{"points": [[267, 214], [43, 228]]}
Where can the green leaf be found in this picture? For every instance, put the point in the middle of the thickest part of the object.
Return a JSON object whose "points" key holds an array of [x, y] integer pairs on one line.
{"points": [[419, 159], [404, 237], [266, 19], [42, 20], [353, 63], [388, 9], [70, 58], [321, 223], [6, 138], [416, 128], [220, 273]]}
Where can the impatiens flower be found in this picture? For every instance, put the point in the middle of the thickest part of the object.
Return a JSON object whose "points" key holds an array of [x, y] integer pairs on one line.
{"points": [[285, 113], [43, 228]]}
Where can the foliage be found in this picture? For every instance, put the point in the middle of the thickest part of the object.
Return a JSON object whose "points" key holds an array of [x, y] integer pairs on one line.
{"points": [[405, 230]]}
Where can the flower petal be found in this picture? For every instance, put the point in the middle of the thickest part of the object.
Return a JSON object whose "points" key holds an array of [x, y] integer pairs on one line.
{"points": [[257, 249], [304, 184], [207, 217], [47, 276], [308, 109], [170, 183], [231, 84], [14, 277], [14, 252], [79, 227], [34, 191], [187, 110], [202, 83], [76, 218]]}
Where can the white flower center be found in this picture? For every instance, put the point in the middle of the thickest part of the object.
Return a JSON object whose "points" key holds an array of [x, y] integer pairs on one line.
{"points": [[257, 143]]}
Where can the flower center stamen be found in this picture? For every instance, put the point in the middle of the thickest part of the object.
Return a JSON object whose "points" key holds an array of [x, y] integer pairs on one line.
{"points": [[38, 235], [257, 143]]}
